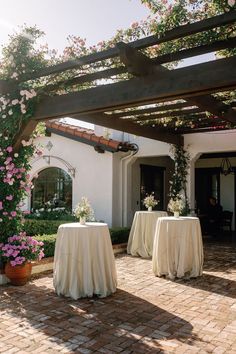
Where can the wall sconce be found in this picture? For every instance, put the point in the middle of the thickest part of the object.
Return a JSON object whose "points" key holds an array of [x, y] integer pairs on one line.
{"points": [[47, 159], [225, 167]]}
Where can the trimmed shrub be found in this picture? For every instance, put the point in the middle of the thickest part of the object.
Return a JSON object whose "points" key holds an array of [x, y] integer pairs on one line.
{"points": [[119, 235], [41, 227]]}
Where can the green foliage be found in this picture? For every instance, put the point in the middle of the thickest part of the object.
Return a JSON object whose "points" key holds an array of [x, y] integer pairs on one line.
{"points": [[119, 235], [179, 179], [40, 227]]}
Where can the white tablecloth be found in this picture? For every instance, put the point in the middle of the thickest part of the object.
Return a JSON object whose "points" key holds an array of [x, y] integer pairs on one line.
{"points": [[177, 248], [84, 262], [142, 232]]}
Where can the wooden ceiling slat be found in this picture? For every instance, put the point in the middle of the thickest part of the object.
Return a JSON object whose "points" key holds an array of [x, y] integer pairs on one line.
{"points": [[216, 107], [202, 130], [161, 108], [191, 52], [103, 74], [168, 114]]}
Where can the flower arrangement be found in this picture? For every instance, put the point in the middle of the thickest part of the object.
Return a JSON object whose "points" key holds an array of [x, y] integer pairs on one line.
{"points": [[176, 204], [150, 201], [84, 209], [20, 249]]}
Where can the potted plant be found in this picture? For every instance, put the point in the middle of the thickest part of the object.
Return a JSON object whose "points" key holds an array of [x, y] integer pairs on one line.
{"points": [[83, 211], [18, 252], [150, 201]]}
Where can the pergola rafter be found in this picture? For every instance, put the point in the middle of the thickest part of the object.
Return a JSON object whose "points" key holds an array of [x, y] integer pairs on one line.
{"points": [[144, 92]]}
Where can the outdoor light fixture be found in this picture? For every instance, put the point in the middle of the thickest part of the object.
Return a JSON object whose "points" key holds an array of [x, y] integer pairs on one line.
{"points": [[225, 167]]}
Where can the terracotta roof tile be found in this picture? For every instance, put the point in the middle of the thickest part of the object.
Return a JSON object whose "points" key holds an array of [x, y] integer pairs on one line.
{"points": [[87, 136]]}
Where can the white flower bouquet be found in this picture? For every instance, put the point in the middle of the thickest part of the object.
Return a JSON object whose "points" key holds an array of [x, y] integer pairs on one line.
{"points": [[150, 201], [84, 210], [176, 205]]}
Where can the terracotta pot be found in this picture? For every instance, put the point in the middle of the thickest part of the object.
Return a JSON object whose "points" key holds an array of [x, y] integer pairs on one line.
{"points": [[20, 274]]}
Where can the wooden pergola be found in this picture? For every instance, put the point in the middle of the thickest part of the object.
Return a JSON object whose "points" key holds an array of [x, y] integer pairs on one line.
{"points": [[138, 94]]}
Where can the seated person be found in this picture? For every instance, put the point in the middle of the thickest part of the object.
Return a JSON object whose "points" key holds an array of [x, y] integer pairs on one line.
{"points": [[214, 216]]}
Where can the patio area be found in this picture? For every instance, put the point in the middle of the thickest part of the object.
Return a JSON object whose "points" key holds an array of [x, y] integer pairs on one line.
{"points": [[146, 315]]}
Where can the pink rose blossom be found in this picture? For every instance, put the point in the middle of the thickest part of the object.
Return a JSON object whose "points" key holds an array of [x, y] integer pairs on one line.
{"points": [[9, 149], [9, 197]]}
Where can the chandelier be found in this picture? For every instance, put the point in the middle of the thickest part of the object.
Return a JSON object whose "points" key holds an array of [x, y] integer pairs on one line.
{"points": [[225, 167]]}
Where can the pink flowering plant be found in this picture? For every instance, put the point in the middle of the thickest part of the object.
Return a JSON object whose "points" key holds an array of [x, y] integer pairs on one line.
{"points": [[17, 105], [20, 249]]}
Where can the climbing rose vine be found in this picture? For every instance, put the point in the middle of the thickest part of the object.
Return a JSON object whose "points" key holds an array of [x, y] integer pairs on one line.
{"points": [[16, 108]]}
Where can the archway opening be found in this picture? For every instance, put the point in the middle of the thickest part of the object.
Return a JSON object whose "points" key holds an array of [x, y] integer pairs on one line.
{"points": [[52, 189]]}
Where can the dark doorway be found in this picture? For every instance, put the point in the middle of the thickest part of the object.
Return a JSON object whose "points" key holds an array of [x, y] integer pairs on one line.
{"points": [[152, 180], [207, 184]]}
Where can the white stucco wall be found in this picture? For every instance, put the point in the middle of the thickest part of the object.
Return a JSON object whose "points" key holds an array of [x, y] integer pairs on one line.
{"points": [[211, 142], [93, 172]]}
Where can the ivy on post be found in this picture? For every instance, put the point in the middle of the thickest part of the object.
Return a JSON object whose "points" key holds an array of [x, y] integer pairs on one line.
{"points": [[178, 184]]}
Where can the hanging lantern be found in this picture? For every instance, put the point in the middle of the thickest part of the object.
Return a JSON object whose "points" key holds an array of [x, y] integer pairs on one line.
{"points": [[225, 167]]}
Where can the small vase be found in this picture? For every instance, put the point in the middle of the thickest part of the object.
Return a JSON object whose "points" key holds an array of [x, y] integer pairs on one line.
{"points": [[150, 208], [176, 214], [19, 274], [82, 220]]}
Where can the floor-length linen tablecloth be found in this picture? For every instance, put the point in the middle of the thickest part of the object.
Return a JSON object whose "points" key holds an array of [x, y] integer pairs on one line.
{"points": [[142, 232], [84, 262], [177, 248]]}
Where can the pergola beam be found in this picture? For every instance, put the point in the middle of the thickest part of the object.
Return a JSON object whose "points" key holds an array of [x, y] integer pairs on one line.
{"points": [[175, 114], [130, 127], [176, 84]]}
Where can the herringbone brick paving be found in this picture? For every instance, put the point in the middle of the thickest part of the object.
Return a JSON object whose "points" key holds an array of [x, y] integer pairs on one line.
{"points": [[146, 315]]}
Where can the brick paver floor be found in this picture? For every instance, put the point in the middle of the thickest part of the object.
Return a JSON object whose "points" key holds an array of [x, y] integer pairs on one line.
{"points": [[146, 315]]}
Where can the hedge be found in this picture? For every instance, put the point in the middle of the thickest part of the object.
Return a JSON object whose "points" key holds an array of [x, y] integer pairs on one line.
{"points": [[42, 227], [118, 235]]}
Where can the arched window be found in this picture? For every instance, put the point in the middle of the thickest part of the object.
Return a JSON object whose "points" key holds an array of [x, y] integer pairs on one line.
{"points": [[52, 188]]}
